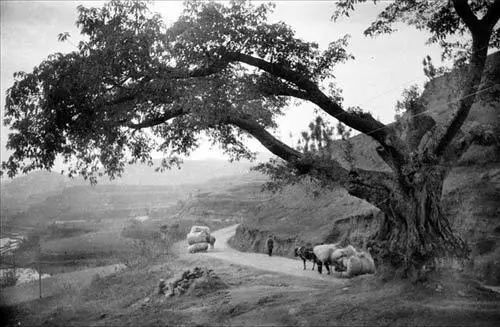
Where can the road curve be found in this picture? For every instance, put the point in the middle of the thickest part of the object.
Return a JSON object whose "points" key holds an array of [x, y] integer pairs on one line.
{"points": [[260, 261]]}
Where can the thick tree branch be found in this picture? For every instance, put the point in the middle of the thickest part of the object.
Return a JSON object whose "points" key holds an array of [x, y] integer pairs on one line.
{"points": [[465, 12], [468, 95], [375, 187], [372, 186], [303, 163], [481, 32], [492, 15], [273, 69], [286, 91], [265, 138], [364, 123]]}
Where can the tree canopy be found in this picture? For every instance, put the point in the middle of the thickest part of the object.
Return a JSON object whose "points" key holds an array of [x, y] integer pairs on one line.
{"points": [[221, 68], [134, 73]]}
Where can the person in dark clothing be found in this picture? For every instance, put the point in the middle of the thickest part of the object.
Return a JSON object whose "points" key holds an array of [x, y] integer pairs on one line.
{"points": [[270, 245]]}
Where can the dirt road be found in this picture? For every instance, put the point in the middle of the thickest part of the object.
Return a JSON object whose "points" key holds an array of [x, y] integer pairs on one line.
{"points": [[257, 260]]}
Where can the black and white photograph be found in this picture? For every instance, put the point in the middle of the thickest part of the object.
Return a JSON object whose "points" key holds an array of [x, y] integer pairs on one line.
{"points": [[250, 163]]}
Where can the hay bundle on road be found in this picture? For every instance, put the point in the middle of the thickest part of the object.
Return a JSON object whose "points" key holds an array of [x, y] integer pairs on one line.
{"points": [[198, 239], [194, 238], [198, 247]]}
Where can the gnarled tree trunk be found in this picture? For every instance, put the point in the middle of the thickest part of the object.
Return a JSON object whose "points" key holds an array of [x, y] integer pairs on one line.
{"points": [[414, 230]]}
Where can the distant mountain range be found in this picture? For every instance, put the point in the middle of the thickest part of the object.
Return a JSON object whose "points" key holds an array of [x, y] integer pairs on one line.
{"points": [[45, 193]]}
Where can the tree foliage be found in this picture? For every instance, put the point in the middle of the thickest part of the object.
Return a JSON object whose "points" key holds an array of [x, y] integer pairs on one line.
{"points": [[92, 106]]}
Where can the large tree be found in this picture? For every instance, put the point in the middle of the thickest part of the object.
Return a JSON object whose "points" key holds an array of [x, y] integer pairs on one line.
{"points": [[135, 86]]}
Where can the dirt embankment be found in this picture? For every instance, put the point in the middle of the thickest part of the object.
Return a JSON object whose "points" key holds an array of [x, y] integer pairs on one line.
{"points": [[349, 230]]}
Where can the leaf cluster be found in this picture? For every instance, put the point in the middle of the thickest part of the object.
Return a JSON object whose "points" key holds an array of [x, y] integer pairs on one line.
{"points": [[208, 30]]}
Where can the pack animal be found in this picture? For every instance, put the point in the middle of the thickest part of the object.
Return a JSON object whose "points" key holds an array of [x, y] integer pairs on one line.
{"points": [[323, 255], [306, 254]]}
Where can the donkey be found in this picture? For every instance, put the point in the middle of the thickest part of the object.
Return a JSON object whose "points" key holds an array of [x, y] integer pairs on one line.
{"points": [[306, 253]]}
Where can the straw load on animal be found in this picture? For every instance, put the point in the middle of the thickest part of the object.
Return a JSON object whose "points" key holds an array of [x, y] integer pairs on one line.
{"points": [[352, 262], [323, 254], [197, 239], [198, 247]]}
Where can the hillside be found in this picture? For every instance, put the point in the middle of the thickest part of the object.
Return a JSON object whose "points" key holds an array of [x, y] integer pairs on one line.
{"points": [[471, 192], [22, 192], [43, 196]]}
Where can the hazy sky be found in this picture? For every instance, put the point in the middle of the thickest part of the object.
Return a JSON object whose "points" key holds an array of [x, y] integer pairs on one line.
{"points": [[383, 67]]}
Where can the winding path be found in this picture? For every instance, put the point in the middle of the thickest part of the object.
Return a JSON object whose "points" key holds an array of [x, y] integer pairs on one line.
{"points": [[260, 261]]}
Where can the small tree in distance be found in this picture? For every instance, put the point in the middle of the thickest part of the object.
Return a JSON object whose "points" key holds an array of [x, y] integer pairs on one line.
{"points": [[222, 69]]}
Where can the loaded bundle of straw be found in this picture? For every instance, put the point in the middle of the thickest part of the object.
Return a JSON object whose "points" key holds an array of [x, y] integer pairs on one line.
{"points": [[198, 239]]}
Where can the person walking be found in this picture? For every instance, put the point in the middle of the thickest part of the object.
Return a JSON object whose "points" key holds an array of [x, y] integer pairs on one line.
{"points": [[270, 245]]}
